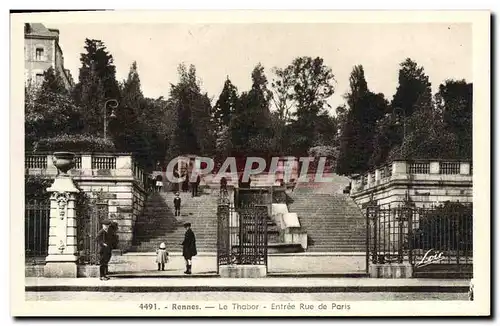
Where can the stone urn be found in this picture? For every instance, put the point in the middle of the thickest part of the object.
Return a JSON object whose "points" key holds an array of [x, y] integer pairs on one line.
{"points": [[63, 161]]}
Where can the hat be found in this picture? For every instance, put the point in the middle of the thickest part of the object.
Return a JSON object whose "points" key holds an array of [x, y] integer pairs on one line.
{"points": [[162, 245], [187, 224], [177, 193], [106, 222]]}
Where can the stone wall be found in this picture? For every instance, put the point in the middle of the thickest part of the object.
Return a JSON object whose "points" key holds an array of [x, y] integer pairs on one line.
{"points": [[125, 204], [32, 65]]}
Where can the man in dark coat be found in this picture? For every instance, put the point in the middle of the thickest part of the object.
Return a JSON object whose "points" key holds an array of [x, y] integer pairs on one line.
{"points": [[189, 247], [194, 186], [105, 241]]}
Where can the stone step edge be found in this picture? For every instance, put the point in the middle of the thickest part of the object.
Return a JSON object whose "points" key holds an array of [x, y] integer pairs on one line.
{"points": [[247, 288], [307, 254]]}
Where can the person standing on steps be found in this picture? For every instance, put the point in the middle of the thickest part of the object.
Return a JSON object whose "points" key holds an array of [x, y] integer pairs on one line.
{"points": [[104, 239], [194, 186], [177, 204], [198, 181], [159, 183], [189, 247]]}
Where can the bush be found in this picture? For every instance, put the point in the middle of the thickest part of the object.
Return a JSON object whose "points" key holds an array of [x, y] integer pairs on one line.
{"points": [[35, 187], [74, 143], [447, 227]]}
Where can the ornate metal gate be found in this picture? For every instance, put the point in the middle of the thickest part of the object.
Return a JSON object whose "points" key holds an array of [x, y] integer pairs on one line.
{"points": [[92, 213], [241, 232], [36, 227], [434, 240]]}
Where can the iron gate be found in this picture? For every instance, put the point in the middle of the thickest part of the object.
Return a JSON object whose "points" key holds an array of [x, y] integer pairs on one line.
{"points": [[241, 232], [428, 238], [36, 227], [89, 222]]}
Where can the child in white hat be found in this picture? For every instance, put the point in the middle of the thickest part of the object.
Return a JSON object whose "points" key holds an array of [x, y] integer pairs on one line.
{"points": [[162, 256]]}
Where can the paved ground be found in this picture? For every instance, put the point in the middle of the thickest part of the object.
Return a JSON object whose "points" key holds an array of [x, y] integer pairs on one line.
{"points": [[239, 296], [284, 263], [275, 286], [247, 282]]}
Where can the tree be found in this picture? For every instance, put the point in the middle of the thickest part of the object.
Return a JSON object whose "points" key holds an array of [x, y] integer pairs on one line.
{"points": [[364, 110], [307, 83], [414, 86], [250, 124], [428, 138], [96, 84], [225, 105], [454, 101], [49, 113], [53, 82], [131, 92], [193, 132]]}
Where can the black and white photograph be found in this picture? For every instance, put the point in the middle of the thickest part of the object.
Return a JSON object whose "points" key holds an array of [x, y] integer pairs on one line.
{"points": [[230, 164]]}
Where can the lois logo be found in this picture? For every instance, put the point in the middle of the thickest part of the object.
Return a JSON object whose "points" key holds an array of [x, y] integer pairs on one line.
{"points": [[431, 256]]}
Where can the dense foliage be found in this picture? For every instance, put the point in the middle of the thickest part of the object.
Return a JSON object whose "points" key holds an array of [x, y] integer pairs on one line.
{"points": [[74, 143], [287, 113]]}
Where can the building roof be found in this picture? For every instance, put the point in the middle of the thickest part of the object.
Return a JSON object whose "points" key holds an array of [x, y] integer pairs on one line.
{"points": [[39, 30]]}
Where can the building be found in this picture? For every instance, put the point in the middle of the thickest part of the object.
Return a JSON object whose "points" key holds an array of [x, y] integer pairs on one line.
{"points": [[425, 182], [42, 51]]}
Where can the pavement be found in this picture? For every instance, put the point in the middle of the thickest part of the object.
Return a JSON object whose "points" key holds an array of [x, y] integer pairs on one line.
{"points": [[206, 263], [214, 297], [263, 285]]}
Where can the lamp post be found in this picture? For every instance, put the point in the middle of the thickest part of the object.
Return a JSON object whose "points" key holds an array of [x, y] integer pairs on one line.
{"points": [[112, 115]]}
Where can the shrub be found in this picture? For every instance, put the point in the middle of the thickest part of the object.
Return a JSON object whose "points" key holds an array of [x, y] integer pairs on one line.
{"points": [[35, 187], [74, 143]]}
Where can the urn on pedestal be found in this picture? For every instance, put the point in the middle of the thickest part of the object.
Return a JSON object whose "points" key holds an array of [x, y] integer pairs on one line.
{"points": [[63, 161]]}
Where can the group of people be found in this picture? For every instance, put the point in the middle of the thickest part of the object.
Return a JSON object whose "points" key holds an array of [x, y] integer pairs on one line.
{"points": [[105, 240], [187, 183], [155, 184]]}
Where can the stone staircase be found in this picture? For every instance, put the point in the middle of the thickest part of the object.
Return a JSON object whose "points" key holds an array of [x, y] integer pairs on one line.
{"points": [[336, 186], [334, 223], [158, 223]]}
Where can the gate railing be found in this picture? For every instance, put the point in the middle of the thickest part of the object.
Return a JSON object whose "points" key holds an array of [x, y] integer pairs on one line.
{"points": [[88, 225], [241, 232], [36, 227], [400, 233]]}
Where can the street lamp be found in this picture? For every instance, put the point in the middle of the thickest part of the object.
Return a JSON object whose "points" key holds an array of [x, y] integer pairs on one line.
{"points": [[112, 115]]}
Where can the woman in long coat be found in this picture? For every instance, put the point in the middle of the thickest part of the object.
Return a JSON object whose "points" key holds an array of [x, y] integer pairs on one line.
{"points": [[189, 247]]}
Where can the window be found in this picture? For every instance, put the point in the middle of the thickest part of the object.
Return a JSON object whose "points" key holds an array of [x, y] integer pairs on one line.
{"points": [[39, 54], [39, 79]]}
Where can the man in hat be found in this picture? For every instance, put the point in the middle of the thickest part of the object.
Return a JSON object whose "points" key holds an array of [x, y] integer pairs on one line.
{"points": [[104, 239], [189, 247]]}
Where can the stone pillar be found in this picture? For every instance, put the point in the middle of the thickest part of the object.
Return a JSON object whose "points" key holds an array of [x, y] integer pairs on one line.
{"points": [[434, 167], [63, 254], [398, 167], [465, 168], [86, 162]]}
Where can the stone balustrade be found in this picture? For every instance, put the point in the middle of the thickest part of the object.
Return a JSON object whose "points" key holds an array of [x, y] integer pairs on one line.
{"points": [[414, 170], [111, 165], [425, 181]]}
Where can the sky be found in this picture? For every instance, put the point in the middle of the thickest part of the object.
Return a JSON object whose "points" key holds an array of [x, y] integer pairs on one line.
{"points": [[221, 50]]}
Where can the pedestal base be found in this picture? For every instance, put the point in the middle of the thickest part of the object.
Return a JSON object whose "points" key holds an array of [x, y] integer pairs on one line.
{"points": [[391, 271], [242, 271], [60, 269]]}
